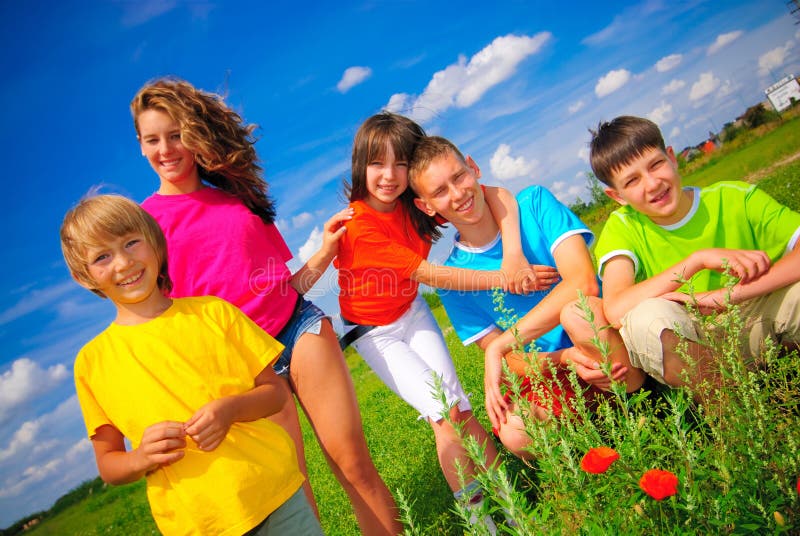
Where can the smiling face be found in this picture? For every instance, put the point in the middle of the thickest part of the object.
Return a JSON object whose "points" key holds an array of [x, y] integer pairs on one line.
{"points": [[160, 139], [125, 269], [449, 187], [651, 184], [387, 179]]}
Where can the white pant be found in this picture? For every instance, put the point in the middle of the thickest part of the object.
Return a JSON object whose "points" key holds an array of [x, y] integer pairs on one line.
{"points": [[406, 355]]}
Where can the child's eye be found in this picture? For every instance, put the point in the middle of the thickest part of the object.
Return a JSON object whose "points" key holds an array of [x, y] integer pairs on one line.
{"points": [[132, 242], [100, 258], [376, 163], [176, 137], [402, 164]]}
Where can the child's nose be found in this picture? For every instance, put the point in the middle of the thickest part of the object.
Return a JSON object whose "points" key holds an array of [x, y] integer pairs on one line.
{"points": [[123, 260]]}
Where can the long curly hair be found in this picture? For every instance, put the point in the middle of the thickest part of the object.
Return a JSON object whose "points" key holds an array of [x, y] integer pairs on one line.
{"points": [[372, 138], [220, 140]]}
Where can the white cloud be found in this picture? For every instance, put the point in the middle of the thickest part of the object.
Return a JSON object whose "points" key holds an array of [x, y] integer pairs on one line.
{"points": [[583, 153], [463, 83], [674, 86], [311, 246], [282, 225], [674, 132], [302, 219], [612, 81], [704, 85], [774, 59], [661, 114], [137, 13], [723, 40], [505, 167], [558, 185], [23, 439], [576, 107], [398, 102], [37, 299], [352, 77], [667, 63], [26, 379]]}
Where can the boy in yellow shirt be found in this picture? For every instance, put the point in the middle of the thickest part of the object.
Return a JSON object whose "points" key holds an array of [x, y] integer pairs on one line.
{"points": [[188, 381]]}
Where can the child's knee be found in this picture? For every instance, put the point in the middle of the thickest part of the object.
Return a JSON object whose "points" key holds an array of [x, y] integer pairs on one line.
{"points": [[514, 438], [573, 318]]}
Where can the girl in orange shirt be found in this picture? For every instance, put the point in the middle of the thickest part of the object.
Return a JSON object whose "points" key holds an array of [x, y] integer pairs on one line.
{"points": [[381, 263]]}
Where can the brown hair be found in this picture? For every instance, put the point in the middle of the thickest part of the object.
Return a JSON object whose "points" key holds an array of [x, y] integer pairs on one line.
{"points": [[96, 218], [222, 144], [427, 151], [618, 142], [373, 136]]}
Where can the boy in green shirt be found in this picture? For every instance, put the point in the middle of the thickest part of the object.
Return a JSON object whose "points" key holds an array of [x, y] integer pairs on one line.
{"points": [[665, 235]]}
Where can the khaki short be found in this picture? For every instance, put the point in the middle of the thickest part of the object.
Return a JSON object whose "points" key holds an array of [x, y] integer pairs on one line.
{"points": [[775, 315]]}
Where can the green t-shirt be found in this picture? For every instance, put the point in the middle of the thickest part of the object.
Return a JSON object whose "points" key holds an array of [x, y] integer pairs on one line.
{"points": [[733, 215]]}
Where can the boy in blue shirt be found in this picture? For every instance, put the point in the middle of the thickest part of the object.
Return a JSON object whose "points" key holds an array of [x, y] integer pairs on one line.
{"points": [[446, 184], [665, 234]]}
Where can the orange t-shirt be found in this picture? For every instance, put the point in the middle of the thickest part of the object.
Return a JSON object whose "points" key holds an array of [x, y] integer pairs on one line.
{"points": [[377, 256]]}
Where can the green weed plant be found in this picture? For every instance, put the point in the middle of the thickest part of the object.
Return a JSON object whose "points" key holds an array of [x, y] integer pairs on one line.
{"points": [[735, 456]]}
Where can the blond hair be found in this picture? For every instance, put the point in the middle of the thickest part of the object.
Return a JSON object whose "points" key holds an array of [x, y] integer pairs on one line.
{"points": [[221, 142], [94, 219]]}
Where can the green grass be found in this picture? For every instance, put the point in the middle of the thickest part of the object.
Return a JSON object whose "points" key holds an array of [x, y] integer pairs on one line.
{"points": [[404, 453]]}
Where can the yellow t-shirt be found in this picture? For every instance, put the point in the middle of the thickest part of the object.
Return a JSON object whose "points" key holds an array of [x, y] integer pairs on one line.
{"points": [[199, 350]]}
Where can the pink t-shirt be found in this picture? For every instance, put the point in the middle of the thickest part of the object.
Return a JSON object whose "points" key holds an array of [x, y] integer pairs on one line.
{"points": [[217, 247]]}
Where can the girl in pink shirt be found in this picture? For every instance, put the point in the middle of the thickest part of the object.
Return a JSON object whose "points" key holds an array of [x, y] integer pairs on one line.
{"points": [[222, 241]]}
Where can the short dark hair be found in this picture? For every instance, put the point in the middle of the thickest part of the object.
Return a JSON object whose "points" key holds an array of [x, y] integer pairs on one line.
{"points": [[618, 142]]}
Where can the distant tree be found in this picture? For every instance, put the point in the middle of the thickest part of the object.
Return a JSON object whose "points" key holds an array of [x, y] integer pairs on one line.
{"points": [[757, 115]]}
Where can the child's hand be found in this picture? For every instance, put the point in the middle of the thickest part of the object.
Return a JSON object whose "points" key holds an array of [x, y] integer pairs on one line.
{"points": [[544, 277], [590, 371], [496, 405], [747, 265], [210, 424], [162, 444], [706, 302], [517, 274], [333, 230]]}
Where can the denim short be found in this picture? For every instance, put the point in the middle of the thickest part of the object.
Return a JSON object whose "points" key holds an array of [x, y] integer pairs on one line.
{"points": [[306, 318]]}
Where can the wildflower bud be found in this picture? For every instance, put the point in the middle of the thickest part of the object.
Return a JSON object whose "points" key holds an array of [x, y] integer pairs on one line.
{"points": [[641, 423], [779, 518], [639, 510]]}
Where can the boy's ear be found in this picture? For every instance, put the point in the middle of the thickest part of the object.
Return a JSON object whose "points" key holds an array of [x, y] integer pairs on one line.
{"points": [[424, 207], [613, 194], [671, 155], [473, 166]]}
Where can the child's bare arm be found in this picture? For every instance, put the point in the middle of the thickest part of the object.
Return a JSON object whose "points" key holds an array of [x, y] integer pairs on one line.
{"points": [[515, 266], [621, 293], [210, 424], [305, 278], [783, 273], [162, 443]]}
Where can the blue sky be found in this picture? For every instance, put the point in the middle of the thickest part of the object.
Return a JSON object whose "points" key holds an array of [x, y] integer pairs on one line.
{"points": [[514, 84]]}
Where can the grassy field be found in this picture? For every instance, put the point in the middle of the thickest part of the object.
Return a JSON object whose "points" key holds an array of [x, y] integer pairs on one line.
{"points": [[402, 447]]}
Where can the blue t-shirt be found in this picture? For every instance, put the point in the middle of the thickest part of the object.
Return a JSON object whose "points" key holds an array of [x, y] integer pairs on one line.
{"points": [[544, 224]]}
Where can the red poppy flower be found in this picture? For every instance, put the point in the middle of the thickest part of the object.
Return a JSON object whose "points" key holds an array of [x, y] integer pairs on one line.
{"points": [[659, 484], [798, 485], [599, 459]]}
